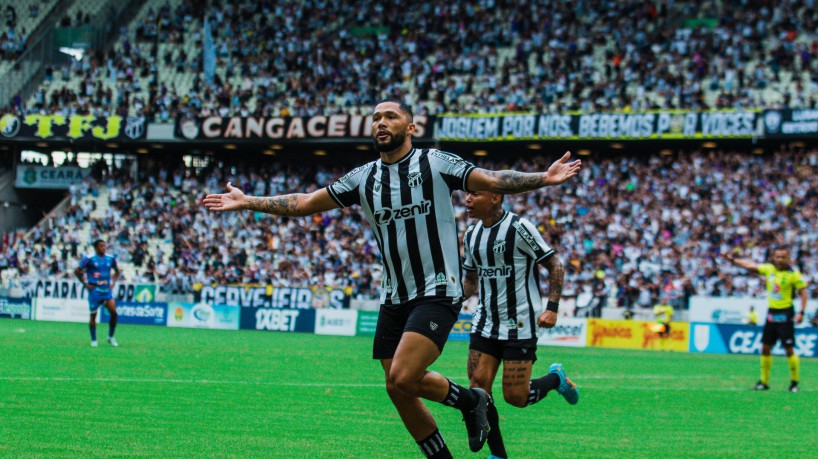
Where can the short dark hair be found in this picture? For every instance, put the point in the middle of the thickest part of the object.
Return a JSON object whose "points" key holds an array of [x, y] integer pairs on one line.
{"points": [[98, 242], [404, 107]]}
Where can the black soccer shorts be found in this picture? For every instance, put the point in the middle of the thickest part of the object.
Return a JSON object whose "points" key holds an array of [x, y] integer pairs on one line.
{"points": [[432, 317], [780, 325], [518, 349]]}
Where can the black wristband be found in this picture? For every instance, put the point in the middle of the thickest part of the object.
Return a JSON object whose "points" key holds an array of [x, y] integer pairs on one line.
{"points": [[553, 306]]}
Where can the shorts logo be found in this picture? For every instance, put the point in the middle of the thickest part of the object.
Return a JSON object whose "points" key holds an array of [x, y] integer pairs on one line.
{"points": [[433, 326], [499, 247], [440, 279], [415, 179]]}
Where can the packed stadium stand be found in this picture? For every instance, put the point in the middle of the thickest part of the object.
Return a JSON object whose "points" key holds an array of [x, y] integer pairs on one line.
{"points": [[645, 227], [640, 230], [302, 58]]}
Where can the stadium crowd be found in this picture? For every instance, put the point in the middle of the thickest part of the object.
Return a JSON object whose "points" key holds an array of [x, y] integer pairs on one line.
{"points": [[309, 57], [634, 229]]}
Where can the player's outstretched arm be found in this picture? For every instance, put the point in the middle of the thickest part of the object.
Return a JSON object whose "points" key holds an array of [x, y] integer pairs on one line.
{"points": [[746, 264], [512, 182], [290, 205], [556, 278]]}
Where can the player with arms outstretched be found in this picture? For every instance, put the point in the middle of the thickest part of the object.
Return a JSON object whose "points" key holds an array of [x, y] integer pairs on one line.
{"points": [[406, 197]]}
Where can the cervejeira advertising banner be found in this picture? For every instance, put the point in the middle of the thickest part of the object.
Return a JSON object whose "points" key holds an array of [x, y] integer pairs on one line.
{"points": [[267, 296]]}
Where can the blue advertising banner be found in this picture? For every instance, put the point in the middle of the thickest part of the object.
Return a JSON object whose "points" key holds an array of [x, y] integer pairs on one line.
{"points": [[15, 307], [130, 312], [203, 315], [746, 339], [461, 329], [274, 319]]}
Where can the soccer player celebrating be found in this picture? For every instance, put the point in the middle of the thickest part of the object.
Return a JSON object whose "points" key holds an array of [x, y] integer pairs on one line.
{"points": [[502, 251], [406, 198], [95, 274], [783, 283]]}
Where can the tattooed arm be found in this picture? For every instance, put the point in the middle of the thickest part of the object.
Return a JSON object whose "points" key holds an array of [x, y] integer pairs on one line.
{"points": [[512, 182], [290, 205], [556, 277], [470, 284]]}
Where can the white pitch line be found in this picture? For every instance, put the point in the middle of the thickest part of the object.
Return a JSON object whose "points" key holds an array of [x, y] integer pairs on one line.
{"points": [[352, 385], [185, 381]]}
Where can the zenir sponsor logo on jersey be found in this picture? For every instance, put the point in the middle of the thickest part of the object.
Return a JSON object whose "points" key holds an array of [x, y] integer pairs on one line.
{"points": [[526, 236], [415, 179], [440, 279], [494, 273], [386, 215], [499, 247]]}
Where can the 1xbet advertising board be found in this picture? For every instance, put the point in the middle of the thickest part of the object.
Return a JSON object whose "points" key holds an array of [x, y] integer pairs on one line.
{"points": [[275, 319]]}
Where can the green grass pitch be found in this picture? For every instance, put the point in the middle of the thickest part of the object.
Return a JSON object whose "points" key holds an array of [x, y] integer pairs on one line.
{"points": [[204, 393]]}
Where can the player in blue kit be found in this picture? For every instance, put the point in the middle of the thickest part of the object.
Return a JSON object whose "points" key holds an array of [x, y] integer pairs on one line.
{"points": [[98, 280]]}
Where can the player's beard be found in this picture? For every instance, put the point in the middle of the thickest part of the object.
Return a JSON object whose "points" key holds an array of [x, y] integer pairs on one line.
{"points": [[397, 140]]}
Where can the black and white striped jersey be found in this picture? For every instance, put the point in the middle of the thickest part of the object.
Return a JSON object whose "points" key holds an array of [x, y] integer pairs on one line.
{"points": [[505, 256], [409, 205]]}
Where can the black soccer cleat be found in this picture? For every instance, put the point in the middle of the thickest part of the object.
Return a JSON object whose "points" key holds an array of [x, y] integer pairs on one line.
{"points": [[793, 387], [761, 386], [477, 421]]}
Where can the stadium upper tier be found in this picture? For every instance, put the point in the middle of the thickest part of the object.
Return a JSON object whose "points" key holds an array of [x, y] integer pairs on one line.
{"points": [[634, 227], [303, 57]]}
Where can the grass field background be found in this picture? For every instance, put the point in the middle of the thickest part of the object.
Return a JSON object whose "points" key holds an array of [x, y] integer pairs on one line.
{"points": [[206, 393]]}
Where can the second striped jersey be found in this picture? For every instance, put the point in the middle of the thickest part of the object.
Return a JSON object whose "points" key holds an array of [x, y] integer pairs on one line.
{"points": [[505, 256]]}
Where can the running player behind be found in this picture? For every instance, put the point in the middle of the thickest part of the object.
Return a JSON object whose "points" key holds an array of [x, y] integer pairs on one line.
{"points": [[502, 252]]}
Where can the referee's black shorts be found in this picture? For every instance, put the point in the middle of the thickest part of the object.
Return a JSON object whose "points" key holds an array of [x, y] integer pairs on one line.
{"points": [[432, 317], [780, 325]]}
